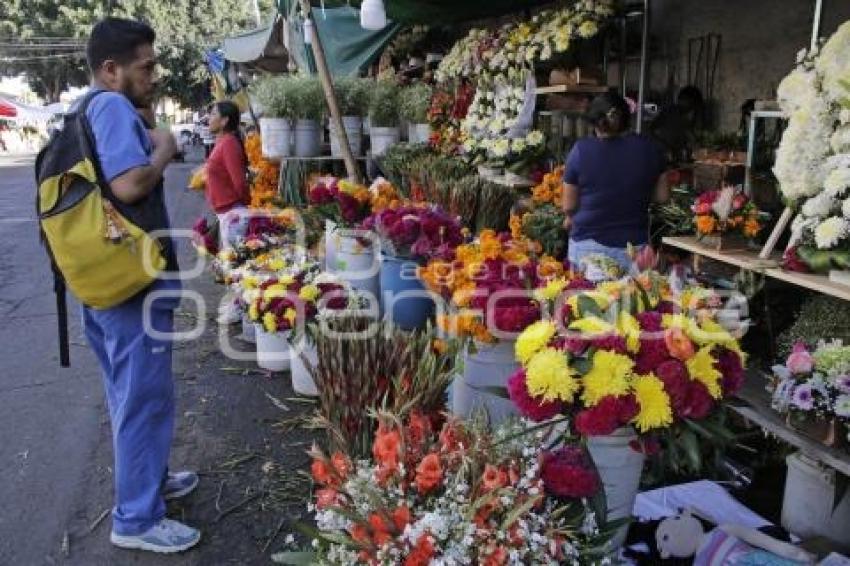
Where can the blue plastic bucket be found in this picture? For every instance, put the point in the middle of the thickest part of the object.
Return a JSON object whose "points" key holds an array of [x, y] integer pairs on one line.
{"points": [[402, 294]]}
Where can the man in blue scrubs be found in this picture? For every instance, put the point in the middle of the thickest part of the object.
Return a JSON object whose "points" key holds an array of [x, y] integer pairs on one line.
{"points": [[136, 363]]}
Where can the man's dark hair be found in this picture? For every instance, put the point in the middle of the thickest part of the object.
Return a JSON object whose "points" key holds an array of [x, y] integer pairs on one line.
{"points": [[116, 39]]}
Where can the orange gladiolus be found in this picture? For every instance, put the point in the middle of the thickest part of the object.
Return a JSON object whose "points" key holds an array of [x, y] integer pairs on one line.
{"points": [[326, 497], [341, 464], [401, 518], [496, 558], [493, 478], [429, 473], [359, 533], [380, 529], [322, 472], [422, 553], [386, 448], [678, 344]]}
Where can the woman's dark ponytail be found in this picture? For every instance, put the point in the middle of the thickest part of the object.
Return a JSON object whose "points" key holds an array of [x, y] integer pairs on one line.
{"points": [[609, 113]]}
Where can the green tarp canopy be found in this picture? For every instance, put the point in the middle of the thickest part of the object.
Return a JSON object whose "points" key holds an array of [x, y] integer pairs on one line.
{"points": [[438, 11], [349, 48], [260, 48]]}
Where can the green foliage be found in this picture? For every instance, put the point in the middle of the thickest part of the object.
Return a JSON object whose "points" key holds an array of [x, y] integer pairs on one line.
{"points": [[383, 105], [274, 93], [674, 217], [353, 95], [414, 102], [308, 98], [545, 224], [185, 29], [821, 318]]}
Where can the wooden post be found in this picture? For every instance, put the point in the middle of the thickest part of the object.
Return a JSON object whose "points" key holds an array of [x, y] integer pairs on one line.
{"points": [[330, 96], [777, 232]]}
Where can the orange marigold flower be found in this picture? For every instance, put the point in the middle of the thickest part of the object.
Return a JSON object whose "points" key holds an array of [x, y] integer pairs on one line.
{"points": [[429, 473], [706, 224], [439, 346], [752, 227]]}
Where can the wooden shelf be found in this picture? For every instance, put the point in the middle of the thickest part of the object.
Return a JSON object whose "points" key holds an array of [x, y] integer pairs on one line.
{"points": [[753, 404], [571, 89], [750, 261]]}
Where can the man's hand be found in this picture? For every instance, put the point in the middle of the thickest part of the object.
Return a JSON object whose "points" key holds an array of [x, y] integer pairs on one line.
{"points": [[568, 223], [163, 141]]}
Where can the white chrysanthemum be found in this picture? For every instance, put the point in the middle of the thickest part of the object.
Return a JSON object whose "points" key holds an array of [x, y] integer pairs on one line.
{"points": [[837, 182], [796, 90], [801, 153], [819, 206], [833, 64], [842, 406], [534, 138], [844, 116], [840, 140], [501, 148], [845, 208], [831, 231], [518, 145]]}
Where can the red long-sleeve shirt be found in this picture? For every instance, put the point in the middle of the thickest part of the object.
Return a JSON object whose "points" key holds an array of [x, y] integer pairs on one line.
{"points": [[227, 185]]}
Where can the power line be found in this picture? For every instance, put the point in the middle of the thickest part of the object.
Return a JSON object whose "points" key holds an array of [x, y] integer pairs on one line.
{"points": [[76, 55]]}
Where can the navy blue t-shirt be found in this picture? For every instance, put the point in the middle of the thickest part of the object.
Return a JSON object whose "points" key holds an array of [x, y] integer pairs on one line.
{"points": [[616, 178]]}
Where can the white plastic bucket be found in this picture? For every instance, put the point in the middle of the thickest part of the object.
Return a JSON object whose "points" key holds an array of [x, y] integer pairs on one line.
{"points": [[276, 137], [331, 238], [357, 262], [809, 500], [354, 130], [490, 366], [383, 138], [273, 350], [418, 133], [249, 332], [302, 380], [620, 467], [308, 138]]}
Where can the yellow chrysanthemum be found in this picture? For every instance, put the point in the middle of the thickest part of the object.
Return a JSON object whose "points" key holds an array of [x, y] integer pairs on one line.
{"points": [[654, 403], [591, 326], [249, 282], [276, 264], [609, 375], [630, 328], [269, 322], [287, 279], [549, 376], [682, 321], [290, 315], [710, 332], [309, 293], [701, 367], [551, 291], [611, 288], [533, 339], [253, 312]]}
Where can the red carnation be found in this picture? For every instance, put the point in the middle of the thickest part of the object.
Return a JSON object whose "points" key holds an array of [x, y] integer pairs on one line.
{"points": [[600, 420], [729, 364], [650, 321], [652, 353], [699, 401], [533, 408], [628, 408], [568, 472], [674, 375], [792, 262], [613, 343]]}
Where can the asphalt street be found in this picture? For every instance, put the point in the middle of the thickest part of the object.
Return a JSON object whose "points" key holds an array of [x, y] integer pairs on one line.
{"points": [[50, 417]]}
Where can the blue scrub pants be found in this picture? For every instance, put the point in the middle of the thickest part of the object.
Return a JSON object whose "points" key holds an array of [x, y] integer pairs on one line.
{"points": [[140, 396]]}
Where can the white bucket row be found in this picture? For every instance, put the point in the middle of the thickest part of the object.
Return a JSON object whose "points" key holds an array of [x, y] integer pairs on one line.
{"points": [[281, 139]]}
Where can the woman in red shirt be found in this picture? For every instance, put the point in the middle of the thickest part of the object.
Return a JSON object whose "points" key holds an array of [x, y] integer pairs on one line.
{"points": [[227, 189]]}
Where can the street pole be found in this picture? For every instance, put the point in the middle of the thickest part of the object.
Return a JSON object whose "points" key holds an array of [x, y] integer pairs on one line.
{"points": [[330, 95]]}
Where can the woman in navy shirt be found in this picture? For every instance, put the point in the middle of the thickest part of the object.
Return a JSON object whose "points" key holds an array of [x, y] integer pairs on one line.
{"points": [[611, 179]]}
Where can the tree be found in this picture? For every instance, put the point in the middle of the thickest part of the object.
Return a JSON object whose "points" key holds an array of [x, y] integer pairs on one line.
{"points": [[185, 29]]}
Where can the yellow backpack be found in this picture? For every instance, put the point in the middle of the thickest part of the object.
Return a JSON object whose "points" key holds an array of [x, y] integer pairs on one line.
{"points": [[103, 256]]}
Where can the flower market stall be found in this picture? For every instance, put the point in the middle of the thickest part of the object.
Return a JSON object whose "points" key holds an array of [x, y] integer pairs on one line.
{"points": [[478, 398]]}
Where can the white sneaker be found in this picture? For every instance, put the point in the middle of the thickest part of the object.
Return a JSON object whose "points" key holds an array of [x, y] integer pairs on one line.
{"points": [[166, 537]]}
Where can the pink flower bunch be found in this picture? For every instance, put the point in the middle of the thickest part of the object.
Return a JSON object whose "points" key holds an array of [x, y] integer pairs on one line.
{"points": [[419, 232]]}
